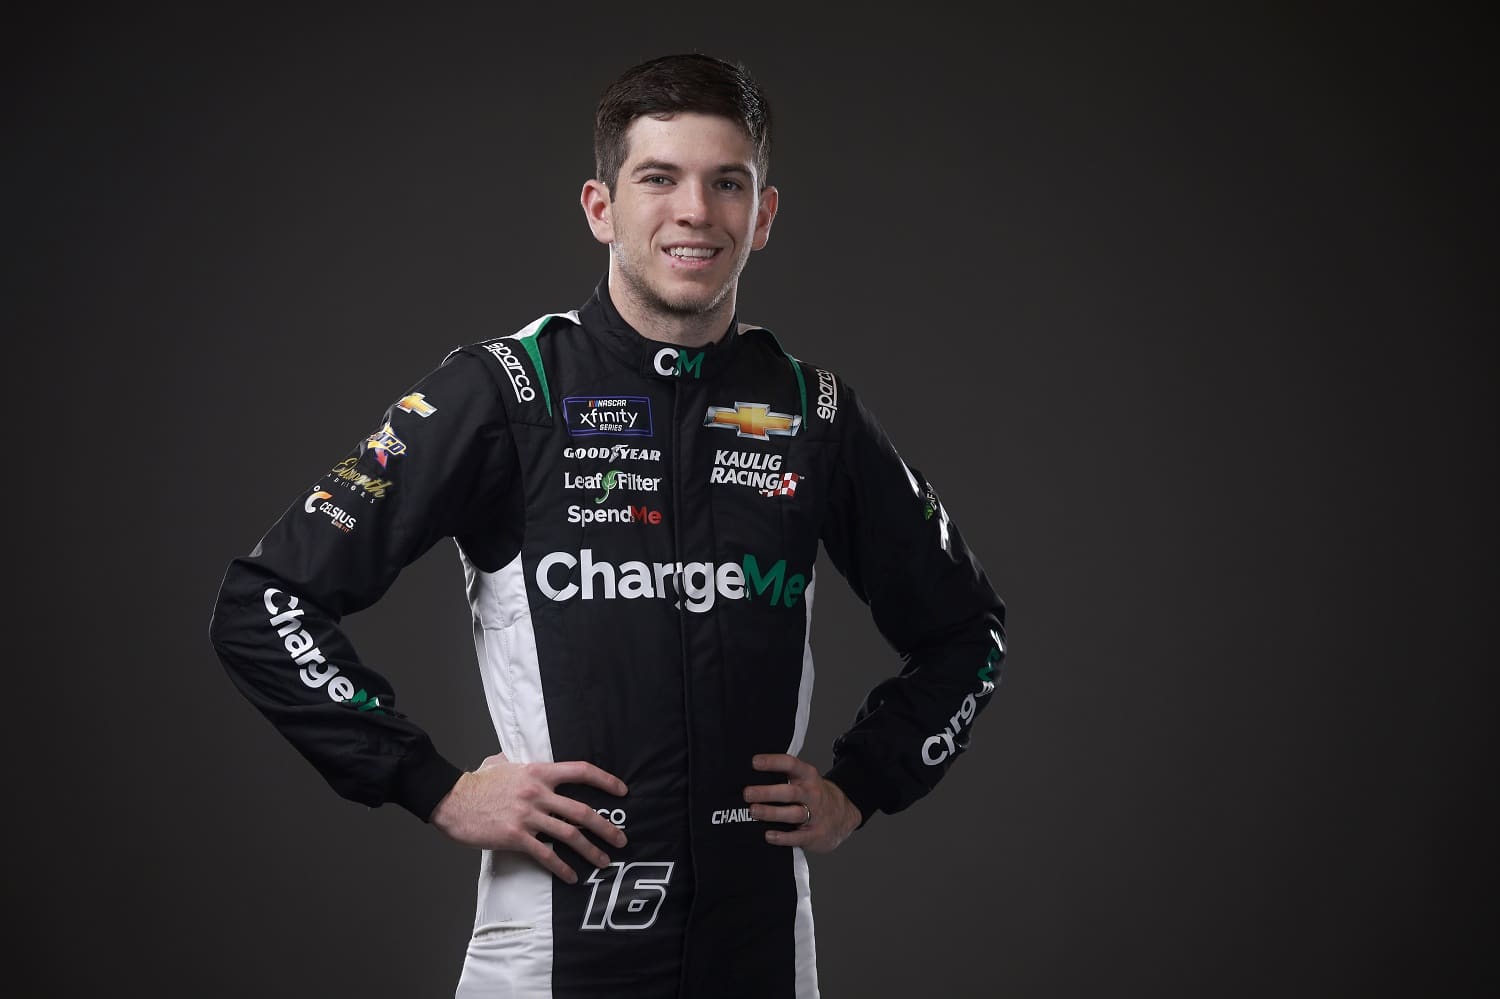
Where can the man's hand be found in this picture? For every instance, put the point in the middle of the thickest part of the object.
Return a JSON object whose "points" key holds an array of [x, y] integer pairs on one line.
{"points": [[824, 817], [505, 806]]}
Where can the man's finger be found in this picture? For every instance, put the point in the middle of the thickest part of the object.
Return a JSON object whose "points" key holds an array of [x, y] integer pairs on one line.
{"points": [[562, 832], [582, 815], [579, 772], [784, 763], [808, 839], [775, 792], [792, 815], [548, 858]]}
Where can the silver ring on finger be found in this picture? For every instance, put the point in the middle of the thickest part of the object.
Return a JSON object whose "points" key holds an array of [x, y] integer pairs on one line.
{"points": [[807, 821]]}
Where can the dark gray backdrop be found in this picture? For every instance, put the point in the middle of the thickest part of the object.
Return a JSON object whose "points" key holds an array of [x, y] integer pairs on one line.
{"points": [[1219, 420]]}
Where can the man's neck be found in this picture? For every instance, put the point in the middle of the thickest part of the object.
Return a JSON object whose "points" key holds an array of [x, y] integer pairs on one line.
{"points": [[683, 330]]}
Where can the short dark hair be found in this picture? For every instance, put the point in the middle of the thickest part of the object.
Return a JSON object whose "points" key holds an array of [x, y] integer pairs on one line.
{"points": [[666, 85]]}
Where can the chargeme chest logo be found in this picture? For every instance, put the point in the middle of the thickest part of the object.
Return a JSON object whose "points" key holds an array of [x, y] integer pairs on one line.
{"points": [[305, 653], [562, 576], [620, 416]]}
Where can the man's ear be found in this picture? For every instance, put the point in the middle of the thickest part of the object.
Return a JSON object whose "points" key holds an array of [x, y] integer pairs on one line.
{"points": [[596, 208], [765, 214]]}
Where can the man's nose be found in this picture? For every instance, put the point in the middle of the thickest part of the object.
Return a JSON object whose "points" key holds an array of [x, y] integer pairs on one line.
{"points": [[692, 203]]}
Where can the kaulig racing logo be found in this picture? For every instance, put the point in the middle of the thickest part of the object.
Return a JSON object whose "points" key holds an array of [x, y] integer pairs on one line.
{"points": [[695, 585]]}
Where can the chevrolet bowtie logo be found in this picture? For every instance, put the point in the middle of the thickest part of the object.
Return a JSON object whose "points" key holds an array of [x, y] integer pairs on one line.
{"points": [[753, 419], [417, 403]]}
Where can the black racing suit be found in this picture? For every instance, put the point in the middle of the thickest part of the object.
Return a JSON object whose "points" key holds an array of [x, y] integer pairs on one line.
{"points": [[638, 525]]}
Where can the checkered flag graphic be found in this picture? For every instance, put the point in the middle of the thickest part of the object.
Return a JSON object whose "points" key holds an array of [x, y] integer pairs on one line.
{"points": [[787, 486]]}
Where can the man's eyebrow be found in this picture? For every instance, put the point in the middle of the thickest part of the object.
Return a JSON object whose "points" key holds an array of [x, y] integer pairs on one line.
{"points": [[662, 166]]}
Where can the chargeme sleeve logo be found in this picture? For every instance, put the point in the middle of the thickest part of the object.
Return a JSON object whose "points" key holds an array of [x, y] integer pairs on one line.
{"points": [[317, 672], [613, 416]]}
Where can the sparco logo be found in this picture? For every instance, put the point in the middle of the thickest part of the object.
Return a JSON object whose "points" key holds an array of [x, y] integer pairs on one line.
{"points": [[670, 361], [305, 653], [828, 395], [693, 584], [617, 453], [952, 739], [623, 416], [519, 380]]}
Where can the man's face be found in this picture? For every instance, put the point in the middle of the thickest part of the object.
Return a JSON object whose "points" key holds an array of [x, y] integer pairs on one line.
{"points": [[685, 212]]}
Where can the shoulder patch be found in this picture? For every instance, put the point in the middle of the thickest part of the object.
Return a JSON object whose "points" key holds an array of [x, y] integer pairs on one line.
{"points": [[527, 380]]}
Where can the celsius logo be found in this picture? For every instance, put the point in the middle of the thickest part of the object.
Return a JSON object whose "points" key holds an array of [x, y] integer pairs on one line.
{"points": [[519, 380], [828, 395], [752, 419], [674, 362], [694, 584], [318, 503], [623, 416], [416, 403], [617, 453], [305, 653], [610, 515], [384, 442]]}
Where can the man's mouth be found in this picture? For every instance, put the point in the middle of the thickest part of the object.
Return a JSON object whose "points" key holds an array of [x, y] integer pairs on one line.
{"points": [[691, 252]]}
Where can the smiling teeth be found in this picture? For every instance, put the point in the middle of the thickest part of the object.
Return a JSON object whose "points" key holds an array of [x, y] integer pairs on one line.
{"points": [[692, 251]]}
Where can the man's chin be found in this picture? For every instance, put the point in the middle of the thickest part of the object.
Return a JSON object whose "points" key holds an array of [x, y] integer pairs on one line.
{"points": [[690, 302]]}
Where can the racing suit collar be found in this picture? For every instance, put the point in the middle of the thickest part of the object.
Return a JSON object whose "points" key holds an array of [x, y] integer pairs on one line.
{"points": [[653, 358]]}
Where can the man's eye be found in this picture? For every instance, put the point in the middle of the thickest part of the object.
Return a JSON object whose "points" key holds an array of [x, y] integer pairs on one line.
{"points": [[657, 179], [729, 185]]}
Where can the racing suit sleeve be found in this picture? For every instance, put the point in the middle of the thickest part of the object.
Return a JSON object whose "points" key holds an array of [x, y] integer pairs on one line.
{"points": [[440, 457], [888, 534]]}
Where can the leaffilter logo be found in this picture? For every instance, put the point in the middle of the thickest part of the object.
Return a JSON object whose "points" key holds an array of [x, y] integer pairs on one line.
{"points": [[610, 478]]}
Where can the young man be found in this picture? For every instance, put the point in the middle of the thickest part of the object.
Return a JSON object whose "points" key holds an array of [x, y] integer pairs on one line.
{"points": [[637, 490]]}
